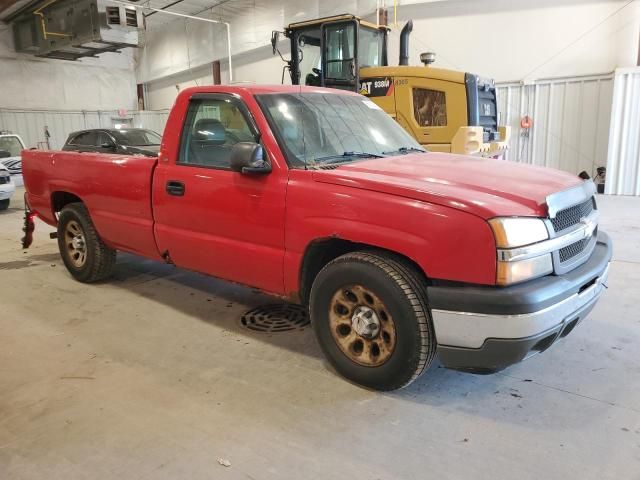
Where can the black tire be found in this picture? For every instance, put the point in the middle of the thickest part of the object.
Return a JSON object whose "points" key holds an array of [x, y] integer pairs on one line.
{"points": [[99, 259], [402, 291], [4, 204]]}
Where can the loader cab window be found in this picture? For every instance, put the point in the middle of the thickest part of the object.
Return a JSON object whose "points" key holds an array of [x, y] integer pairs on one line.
{"points": [[340, 50], [370, 47], [430, 107], [309, 60], [212, 127]]}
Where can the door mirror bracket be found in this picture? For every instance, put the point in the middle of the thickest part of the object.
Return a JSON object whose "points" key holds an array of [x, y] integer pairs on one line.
{"points": [[248, 158]]}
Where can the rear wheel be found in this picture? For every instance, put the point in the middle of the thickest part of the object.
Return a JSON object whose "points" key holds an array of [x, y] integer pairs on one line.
{"points": [[82, 250], [4, 204], [371, 318]]}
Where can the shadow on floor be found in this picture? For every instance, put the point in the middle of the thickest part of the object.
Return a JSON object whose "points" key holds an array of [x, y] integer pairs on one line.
{"points": [[208, 299]]}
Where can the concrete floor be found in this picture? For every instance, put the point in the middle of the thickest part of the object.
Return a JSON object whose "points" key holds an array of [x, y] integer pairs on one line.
{"points": [[150, 376]]}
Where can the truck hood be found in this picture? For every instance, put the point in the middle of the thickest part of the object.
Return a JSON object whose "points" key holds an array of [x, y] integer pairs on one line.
{"points": [[482, 186]]}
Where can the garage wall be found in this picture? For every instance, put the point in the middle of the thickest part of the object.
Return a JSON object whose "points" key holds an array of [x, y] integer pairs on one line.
{"points": [[30, 124], [522, 40], [570, 121], [256, 66], [28, 82], [623, 166]]}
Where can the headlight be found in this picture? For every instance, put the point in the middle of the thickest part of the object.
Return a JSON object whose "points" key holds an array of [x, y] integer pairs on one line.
{"points": [[522, 270], [514, 232]]}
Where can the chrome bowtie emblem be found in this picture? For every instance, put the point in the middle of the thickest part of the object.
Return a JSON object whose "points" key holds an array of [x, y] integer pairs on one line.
{"points": [[590, 227]]}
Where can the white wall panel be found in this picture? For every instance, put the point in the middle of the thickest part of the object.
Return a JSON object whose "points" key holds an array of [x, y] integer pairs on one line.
{"points": [[27, 82], [623, 163], [522, 39], [30, 124], [570, 121]]}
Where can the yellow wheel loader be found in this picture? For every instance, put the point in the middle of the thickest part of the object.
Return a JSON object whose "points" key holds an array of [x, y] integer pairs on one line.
{"points": [[444, 110]]}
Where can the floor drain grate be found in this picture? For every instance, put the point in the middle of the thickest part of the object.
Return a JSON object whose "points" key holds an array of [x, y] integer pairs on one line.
{"points": [[282, 317]]}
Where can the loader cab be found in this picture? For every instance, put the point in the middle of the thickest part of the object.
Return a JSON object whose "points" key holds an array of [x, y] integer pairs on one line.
{"points": [[444, 110], [329, 52]]}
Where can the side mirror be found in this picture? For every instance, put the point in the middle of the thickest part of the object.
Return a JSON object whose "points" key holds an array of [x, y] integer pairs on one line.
{"points": [[4, 154], [275, 37], [248, 158], [108, 146]]}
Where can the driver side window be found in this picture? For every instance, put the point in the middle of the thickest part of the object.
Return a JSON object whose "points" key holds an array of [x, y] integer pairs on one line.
{"points": [[212, 127]]}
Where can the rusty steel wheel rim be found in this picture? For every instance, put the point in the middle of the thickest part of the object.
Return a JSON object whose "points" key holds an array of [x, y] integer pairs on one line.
{"points": [[362, 326], [75, 243]]}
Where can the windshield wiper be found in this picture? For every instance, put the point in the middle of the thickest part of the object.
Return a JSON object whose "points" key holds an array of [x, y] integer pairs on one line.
{"points": [[405, 150], [345, 156]]}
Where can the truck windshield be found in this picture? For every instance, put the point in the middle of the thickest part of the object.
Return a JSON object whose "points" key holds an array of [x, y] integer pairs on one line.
{"points": [[11, 144], [317, 129]]}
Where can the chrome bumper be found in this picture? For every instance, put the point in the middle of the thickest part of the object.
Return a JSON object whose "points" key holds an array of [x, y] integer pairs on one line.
{"points": [[470, 330], [485, 329]]}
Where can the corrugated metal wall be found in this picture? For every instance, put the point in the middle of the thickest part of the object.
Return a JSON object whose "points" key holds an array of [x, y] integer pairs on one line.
{"points": [[570, 121], [30, 124], [623, 162]]}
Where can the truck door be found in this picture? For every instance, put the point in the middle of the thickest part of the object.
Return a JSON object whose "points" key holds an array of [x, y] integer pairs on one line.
{"points": [[211, 219], [340, 55], [431, 110]]}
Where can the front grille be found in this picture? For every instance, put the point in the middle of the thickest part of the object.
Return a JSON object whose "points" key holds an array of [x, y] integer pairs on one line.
{"points": [[573, 250], [571, 216]]}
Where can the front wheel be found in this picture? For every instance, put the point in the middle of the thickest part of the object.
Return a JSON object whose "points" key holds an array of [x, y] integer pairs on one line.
{"points": [[4, 204], [83, 252], [371, 318]]}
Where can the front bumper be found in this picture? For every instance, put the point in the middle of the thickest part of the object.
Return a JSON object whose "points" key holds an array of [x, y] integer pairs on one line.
{"points": [[7, 190], [485, 329]]}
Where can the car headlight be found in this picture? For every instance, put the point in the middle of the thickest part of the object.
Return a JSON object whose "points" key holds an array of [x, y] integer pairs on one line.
{"points": [[513, 233], [518, 231]]}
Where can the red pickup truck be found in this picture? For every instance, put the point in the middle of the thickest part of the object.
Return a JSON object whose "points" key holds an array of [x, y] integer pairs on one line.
{"points": [[318, 197]]}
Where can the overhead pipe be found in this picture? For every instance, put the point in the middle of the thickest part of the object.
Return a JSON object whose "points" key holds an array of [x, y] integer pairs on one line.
{"points": [[191, 17], [46, 34], [404, 43]]}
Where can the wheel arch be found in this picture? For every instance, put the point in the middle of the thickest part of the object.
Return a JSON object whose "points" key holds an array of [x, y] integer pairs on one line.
{"points": [[321, 251], [61, 198]]}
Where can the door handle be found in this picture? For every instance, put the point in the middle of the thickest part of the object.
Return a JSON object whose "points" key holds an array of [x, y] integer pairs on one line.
{"points": [[175, 188]]}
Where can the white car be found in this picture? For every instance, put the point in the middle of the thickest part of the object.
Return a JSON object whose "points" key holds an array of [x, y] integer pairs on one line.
{"points": [[7, 188], [11, 147]]}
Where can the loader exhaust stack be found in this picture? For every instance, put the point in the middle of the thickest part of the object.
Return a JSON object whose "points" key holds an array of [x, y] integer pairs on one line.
{"points": [[404, 43]]}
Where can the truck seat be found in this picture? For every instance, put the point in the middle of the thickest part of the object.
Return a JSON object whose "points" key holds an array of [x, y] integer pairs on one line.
{"points": [[208, 144]]}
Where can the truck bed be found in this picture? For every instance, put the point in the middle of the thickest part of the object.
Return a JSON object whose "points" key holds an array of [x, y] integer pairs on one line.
{"points": [[115, 188]]}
